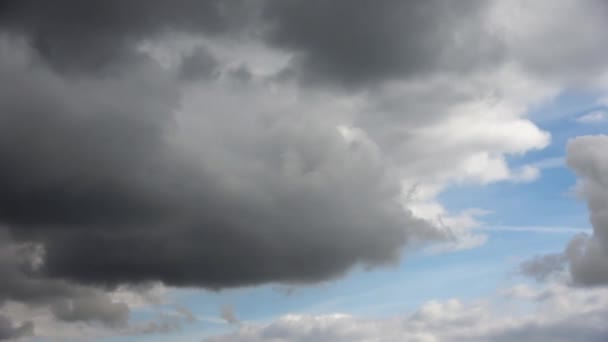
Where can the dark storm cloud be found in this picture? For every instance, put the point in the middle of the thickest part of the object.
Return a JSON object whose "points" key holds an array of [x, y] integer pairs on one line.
{"points": [[22, 282], [79, 35], [349, 42], [91, 174], [97, 186], [358, 42], [70, 151]]}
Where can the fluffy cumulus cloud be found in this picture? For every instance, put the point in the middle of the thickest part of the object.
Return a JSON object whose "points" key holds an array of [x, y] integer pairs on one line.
{"points": [[551, 313], [213, 144]]}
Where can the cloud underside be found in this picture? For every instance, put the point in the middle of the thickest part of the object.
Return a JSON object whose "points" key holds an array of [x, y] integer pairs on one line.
{"points": [[217, 145]]}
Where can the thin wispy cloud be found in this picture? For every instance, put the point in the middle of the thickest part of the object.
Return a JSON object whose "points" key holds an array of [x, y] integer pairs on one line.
{"points": [[536, 229], [596, 116]]}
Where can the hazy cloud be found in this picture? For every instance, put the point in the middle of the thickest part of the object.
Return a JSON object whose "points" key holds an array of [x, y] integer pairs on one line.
{"points": [[542, 267], [228, 314], [555, 313], [593, 117]]}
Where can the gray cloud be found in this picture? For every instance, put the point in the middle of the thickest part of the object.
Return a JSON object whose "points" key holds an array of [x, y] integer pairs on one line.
{"points": [[585, 256], [9, 331], [76, 36], [99, 191], [113, 200], [199, 64], [23, 283], [357, 42], [544, 266], [589, 256], [92, 307]]}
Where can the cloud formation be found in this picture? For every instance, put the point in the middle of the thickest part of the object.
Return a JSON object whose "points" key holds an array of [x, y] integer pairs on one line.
{"points": [[586, 256], [403, 39], [94, 36], [217, 145], [106, 174], [554, 313]]}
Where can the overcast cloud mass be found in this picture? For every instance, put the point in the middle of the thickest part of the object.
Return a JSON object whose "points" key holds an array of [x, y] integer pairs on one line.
{"points": [[216, 144]]}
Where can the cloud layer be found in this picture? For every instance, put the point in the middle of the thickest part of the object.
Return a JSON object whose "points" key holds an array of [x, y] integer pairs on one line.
{"points": [[217, 145], [553, 313]]}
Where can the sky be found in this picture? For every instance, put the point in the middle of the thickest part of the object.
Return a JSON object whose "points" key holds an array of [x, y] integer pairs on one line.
{"points": [[303, 170]]}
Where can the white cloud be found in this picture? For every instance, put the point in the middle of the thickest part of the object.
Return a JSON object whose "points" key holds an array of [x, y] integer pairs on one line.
{"points": [[522, 313]]}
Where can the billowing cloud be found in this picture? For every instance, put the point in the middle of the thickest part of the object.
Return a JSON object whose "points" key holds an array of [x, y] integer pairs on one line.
{"points": [[107, 173]]}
